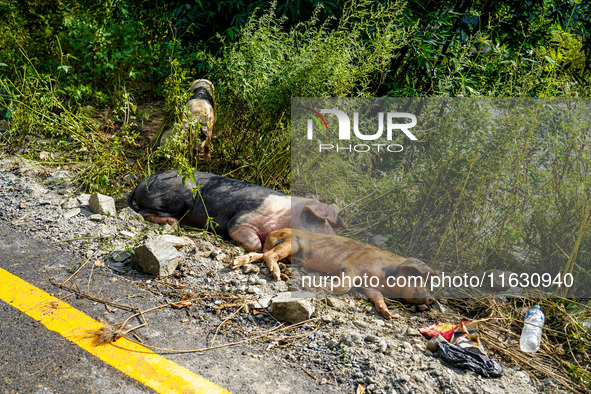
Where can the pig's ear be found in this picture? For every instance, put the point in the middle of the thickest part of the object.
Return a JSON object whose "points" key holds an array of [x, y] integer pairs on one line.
{"points": [[325, 212], [414, 267]]}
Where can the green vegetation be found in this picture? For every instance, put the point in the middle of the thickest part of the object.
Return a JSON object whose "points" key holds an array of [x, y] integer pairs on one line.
{"points": [[90, 85]]}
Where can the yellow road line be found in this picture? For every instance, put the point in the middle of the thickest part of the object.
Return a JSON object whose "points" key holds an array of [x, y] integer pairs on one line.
{"points": [[134, 360]]}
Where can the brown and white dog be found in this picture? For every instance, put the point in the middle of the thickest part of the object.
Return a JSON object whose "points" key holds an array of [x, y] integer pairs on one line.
{"points": [[344, 258], [202, 109]]}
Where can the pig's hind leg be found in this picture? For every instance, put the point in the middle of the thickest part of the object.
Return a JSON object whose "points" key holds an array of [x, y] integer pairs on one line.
{"points": [[246, 237]]}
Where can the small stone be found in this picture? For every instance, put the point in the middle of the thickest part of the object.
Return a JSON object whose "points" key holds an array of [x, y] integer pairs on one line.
{"points": [[84, 199], [250, 268], [252, 290], [204, 249], [332, 344], [382, 346], [70, 203], [120, 255], [371, 339], [361, 324], [432, 343], [126, 234], [105, 205], [413, 332], [44, 202], [263, 302], [96, 217], [221, 257], [407, 347], [157, 257], [290, 307], [126, 213], [71, 213], [335, 303], [176, 241], [327, 319]]}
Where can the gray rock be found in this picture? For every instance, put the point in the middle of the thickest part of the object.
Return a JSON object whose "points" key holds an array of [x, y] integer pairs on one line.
{"points": [[71, 213], [371, 338], [204, 249], [250, 268], [105, 205], [413, 332], [327, 319], [127, 234], [96, 217], [120, 255], [128, 213], [157, 257], [176, 241], [70, 203], [407, 347], [83, 199], [361, 324], [431, 344], [286, 307], [263, 302]]}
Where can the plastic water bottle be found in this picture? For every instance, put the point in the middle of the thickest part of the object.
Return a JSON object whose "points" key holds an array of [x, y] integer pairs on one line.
{"points": [[532, 330]]}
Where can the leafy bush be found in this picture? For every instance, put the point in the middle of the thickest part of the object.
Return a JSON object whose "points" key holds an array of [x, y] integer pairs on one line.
{"points": [[257, 76]]}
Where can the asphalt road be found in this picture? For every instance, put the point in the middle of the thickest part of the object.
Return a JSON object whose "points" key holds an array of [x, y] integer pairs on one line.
{"points": [[34, 359]]}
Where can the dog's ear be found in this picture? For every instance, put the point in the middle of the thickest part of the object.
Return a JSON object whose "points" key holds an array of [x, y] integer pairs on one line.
{"points": [[325, 212]]}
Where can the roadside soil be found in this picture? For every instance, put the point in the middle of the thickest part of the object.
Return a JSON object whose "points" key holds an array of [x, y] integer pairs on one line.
{"points": [[344, 347]]}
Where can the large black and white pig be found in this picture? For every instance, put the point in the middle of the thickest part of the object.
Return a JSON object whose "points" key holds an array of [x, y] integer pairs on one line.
{"points": [[243, 211]]}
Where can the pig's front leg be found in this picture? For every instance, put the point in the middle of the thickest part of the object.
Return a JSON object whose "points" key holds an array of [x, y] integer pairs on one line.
{"points": [[251, 257], [378, 301]]}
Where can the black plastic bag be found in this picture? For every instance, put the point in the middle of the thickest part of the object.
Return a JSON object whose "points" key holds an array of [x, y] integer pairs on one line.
{"points": [[467, 359]]}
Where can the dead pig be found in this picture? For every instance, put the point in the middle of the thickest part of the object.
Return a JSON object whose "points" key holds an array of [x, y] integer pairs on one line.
{"points": [[243, 211]]}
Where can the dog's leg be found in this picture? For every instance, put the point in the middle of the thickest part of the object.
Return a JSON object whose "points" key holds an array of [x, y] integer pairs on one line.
{"points": [[378, 301]]}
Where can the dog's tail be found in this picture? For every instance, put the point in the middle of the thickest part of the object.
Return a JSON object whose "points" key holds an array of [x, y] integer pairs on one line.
{"points": [[131, 199]]}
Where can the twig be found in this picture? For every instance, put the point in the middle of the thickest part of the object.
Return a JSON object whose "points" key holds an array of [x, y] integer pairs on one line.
{"points": [[309, 374], [79, 239], [21, 218], [85, 262], [224, 322], [78, 292]]}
